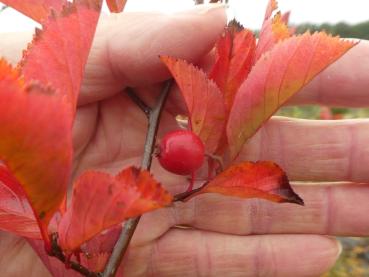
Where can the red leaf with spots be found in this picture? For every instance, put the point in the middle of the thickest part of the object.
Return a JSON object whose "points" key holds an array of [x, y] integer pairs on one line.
{"points": [[101, 200], [116, 6], [277, 76], [234, 57], [38, 10], [264, 180], [16, 215], [35, 141], [203, 99], [58, 53]]}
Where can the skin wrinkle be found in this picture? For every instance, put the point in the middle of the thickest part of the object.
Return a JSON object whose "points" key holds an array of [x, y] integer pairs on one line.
{"points": [[114, 153], [258, 258], [352, 148], [116, 72], [329, 226], [260, 219], [282, 148], [271, 269], [254, 213], [91, 138]]}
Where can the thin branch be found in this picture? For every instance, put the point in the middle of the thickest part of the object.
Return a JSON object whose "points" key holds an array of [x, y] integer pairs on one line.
{"points": [[58, 253], [199, 2], [154, 125], [139, 102], [129, 227]]}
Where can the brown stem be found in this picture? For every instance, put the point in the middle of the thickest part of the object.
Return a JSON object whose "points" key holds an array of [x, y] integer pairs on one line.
{"points": [[139, 102], [129, 227], [184, 195], [58, 253]]}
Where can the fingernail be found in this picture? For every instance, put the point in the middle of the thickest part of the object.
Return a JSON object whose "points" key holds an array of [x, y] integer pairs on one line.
{"points": [[338, 244]]}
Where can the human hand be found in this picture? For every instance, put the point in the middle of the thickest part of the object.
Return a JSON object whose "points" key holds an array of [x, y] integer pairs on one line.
{"points": [[227, 236]]}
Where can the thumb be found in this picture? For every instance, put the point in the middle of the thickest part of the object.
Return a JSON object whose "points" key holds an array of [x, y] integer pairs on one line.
{"points": [[127, 45]]}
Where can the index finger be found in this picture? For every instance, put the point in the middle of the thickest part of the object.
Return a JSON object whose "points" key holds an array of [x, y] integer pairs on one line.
{"points": [[344, 83]]}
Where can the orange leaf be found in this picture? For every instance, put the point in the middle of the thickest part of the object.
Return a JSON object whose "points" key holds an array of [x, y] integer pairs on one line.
{"points": [[203, 99], [234, 56], [264, 180], [38, 10], [116, 6], [276, 77], [58, 54], [94, 256], [273, 30], [271, 7], [101, 201], [35, 141], [16, 214]]}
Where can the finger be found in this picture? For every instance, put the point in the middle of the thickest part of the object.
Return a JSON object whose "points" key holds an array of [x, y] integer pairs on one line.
{"points": [[344, 83], [126, 47], [330, 209], [339, 210], [196, 253], [313, 149], [18, 259]]}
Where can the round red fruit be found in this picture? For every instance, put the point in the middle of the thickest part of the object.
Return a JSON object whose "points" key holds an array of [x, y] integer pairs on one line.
{"points": [[181, 152]]}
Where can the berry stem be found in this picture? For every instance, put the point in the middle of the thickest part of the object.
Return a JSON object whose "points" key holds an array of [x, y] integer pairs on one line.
{"points": [[184, 195], [192, 181], [129, 227]]}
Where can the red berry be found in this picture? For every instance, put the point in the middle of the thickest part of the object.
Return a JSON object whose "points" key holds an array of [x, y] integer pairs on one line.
{"points": [[181, 152]]}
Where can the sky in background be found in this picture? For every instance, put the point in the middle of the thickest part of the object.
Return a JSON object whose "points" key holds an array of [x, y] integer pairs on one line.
{"points": [[248, 12]]}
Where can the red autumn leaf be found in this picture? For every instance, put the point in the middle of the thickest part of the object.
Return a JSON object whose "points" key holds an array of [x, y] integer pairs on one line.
{"points": [[276, 77], [94, 254], [116, 6], [103, 200], [54, 266], [35, 141], [16, 214], [264, 180], [203, 99], [58, 54], [38, 10], [271, 7], [97, 250], [234, 57]]}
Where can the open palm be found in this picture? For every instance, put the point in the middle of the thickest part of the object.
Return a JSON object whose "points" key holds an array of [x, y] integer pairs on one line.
{"points": [[211, 235]]}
